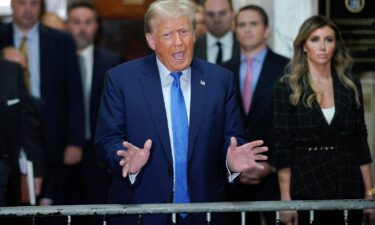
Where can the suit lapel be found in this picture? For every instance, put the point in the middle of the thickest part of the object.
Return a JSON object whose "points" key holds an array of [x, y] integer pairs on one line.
{"points": [[342, 100], [152, 90], [199, 87], [263, 82], [8, 39], [203, 49], [96, 85]]}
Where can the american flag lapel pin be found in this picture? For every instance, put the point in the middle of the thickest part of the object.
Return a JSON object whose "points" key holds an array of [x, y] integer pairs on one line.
{"points": [[203, 82]]}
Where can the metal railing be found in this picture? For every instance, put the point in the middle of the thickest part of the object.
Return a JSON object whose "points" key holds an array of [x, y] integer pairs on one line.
{"points": [[208, 208]]}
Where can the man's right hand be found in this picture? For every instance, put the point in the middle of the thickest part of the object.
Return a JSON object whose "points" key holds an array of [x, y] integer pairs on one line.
{"points": [[134, 158]]}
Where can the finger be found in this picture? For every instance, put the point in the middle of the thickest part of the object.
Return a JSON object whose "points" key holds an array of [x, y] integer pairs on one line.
{"points": [[260, 157], [147, 145], [254, 144], [125, 169], [129, 145], [233, 143], [122, 162], [258, 150], [121, 153], [259, 166], [295, 218]]}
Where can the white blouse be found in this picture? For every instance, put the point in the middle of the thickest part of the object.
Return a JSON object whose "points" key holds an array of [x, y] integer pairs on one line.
{"points": [[329, 113]]}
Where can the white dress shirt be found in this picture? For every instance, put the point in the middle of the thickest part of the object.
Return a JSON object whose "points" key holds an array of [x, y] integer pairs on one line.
{"points": [[226, 46], [33, 55], [87, 55]]}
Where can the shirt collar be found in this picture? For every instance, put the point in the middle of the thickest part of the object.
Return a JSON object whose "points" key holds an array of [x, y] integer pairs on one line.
{"points": [[87, 52], [225, 40], [164, 72], [259, 57], [30, 34]]}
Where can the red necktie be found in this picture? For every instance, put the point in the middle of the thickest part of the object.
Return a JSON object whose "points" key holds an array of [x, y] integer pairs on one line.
{"points": [[247, 86]]}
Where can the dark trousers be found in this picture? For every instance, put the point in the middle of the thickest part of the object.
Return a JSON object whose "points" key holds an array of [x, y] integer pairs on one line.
{"points": [[268, 190], [4, 178]]}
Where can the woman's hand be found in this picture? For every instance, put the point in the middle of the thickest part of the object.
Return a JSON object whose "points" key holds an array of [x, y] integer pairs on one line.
{"points": [[289, 217]]}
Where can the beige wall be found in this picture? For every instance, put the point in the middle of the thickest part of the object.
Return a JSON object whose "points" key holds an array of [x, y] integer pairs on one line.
{"points": [[285, 18]]}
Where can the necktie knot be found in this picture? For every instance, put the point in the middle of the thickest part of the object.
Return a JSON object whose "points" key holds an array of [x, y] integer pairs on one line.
{"points": [[176, 76], [249, 61]]}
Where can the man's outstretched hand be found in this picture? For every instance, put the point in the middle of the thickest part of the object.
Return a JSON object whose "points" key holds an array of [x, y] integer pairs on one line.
{"points": [[245, 157], [134, 158]]}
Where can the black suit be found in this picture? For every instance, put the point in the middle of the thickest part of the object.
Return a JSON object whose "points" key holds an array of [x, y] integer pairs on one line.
{"points": [[258, 123], [200, 47], [18, 128], [61, 93], [96, 178], [324, 158]]}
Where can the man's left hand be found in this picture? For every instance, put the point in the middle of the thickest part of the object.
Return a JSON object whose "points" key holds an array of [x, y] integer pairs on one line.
{"points": [[245, 157], [255, 175]]}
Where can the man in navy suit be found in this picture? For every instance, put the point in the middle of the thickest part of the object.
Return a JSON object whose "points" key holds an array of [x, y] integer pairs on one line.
{"points": [[266, 67], [94, 62], [137, 130], [54, 78]]}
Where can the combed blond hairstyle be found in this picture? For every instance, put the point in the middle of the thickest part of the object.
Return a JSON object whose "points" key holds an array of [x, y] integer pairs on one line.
{"points": [[299, 77], [168, 9]]}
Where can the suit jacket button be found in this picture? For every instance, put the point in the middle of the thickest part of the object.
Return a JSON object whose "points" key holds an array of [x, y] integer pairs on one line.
{"points": [[170, 172]]}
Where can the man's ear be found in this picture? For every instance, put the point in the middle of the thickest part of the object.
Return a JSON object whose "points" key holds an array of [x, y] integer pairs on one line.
{"points": [[267, 34], [151, 41]]}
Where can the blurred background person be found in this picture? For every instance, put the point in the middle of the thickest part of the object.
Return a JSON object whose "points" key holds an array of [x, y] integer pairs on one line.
{"points": [[54, 79], [256, 69], [13, 54], [19, 132], [218, 44], [199, 24], [94, 61], [321, 136]]}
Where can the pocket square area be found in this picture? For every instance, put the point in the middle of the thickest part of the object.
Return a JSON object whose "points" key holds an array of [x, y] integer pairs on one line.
{"points": [[11, 102]]}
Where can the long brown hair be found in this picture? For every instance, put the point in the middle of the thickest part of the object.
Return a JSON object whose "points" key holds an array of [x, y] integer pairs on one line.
{"points": [[299, 77]]}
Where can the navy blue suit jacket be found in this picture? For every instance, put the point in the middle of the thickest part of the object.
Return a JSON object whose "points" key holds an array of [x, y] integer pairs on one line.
{"points": [[61, 90], [132, 109]]}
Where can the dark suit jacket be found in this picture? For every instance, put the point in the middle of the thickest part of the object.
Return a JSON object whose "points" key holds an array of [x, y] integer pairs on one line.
{"points": [[132, 109], [103, 61], [324, 158], [61, 90], [19, 126], [258, 123], [200, 47], [96, 178]]}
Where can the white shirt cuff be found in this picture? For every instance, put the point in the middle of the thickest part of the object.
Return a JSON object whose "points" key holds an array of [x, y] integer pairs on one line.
{"points": [[231, 176], [132, 177]]}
